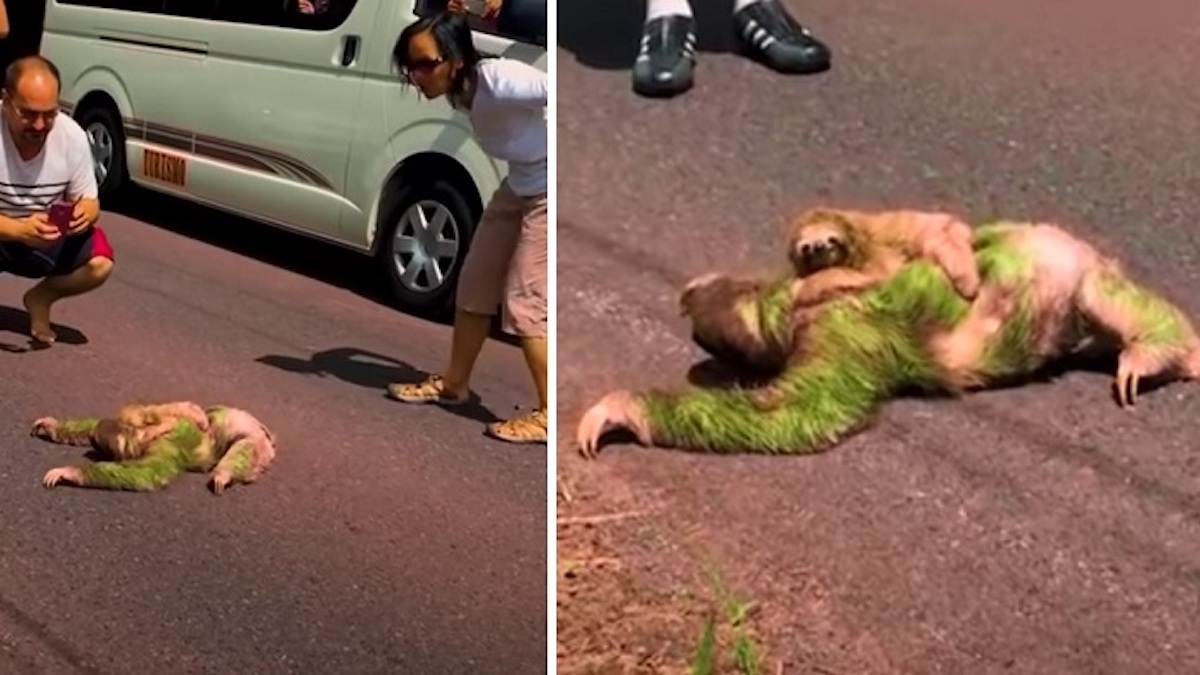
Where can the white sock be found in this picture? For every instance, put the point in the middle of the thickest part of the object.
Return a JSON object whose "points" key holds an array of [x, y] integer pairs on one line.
{"points": [[739, 5], [656, 9]]}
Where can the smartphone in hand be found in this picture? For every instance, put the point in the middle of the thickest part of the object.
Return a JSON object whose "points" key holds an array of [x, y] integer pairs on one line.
{"points": [[61, 214]]}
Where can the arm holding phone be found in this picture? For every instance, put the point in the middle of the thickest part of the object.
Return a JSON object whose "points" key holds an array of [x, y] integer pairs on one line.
{"points": [[35, 231]]}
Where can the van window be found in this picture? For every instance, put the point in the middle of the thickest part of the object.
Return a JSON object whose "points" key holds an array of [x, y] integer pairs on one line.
{"points": [[317, 15], [520, 20]]}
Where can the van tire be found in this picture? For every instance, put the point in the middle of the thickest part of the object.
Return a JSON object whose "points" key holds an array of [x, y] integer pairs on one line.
{"points": [[107, 122], [436, 194]]}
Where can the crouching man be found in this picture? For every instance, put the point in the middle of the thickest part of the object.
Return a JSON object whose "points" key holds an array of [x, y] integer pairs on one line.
{"points": [[48, 196]]}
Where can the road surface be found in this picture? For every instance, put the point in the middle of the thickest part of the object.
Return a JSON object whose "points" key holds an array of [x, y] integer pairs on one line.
{"points": [[385, 539], [1036, 530]]}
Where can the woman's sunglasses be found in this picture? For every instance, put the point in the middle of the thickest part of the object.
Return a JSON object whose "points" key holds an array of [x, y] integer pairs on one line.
{"points": [[422, 66]]}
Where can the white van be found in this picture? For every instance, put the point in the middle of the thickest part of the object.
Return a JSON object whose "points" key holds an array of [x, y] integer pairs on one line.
{"points": [[292, 118]]}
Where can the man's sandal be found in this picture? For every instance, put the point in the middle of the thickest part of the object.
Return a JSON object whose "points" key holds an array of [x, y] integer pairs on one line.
{"points": [[431, 390], [531, 428]]}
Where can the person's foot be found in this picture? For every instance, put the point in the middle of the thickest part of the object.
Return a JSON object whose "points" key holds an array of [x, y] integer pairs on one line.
{"points": [[769, 34], [430, 390], [531, 428], [37, 304], [666, 58]]}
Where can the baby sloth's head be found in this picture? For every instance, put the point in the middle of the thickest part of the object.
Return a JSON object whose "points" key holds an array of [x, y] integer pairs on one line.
{"points": [[819, 240]]}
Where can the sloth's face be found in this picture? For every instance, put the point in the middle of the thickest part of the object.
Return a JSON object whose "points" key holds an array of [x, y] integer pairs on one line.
{"points": [[818, 246]]}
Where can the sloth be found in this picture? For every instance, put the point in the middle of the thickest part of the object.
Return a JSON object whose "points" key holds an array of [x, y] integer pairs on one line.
{"points": [[140, 422], [1045, 295], [229, 444], [833, 253], [839, 251]]}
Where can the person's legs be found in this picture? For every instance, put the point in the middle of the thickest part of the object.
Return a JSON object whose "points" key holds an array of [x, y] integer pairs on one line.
{"points": [[666, 55], [480, 288], [769, 34], [526, 316], [85, 263]]}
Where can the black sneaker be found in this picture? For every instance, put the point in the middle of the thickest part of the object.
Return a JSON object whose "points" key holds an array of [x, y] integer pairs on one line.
{"points": [[666, 57], [770, 35]]}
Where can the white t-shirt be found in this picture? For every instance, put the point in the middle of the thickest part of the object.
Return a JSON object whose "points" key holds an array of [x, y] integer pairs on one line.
{"points": [[508, 113], [61, 171]]}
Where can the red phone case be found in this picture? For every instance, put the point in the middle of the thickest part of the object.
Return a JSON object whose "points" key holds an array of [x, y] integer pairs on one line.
{"points": [[60, 215]]}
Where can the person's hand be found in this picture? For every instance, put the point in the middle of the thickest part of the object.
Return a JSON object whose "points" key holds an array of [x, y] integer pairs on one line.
{"points": [[491, 8], [306, 7], [87, 212], [36, 231]]}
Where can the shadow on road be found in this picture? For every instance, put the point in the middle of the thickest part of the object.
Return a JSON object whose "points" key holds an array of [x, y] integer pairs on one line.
{"points": [[324, 262], [15, 320], [606, 35], [370, 370]]}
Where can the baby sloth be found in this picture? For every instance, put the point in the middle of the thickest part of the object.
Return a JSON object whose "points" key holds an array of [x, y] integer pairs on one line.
{"points": [[134, 427], [836, 252], [147, 446]]}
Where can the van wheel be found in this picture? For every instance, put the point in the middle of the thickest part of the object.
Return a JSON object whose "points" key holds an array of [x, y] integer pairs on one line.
{"points": [[426, 229], [107, 139]]}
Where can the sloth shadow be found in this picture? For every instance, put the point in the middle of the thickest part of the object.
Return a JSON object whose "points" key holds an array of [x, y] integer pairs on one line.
{"points": [[712, 373], [370, 370], [16, 321], [606, 35]]}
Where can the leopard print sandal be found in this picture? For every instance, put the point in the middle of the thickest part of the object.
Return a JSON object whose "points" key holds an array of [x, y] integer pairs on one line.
{"points": [[531, 428], [430, 390]]}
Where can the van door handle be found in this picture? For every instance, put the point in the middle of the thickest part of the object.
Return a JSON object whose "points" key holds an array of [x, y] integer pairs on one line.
{"points": [[350, 50]]}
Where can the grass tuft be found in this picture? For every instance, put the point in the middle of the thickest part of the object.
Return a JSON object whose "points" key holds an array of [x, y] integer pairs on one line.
{"points": [[747, 657]]}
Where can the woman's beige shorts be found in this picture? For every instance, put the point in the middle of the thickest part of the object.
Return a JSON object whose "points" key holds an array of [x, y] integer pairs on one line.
{"points": [[506, 264]]}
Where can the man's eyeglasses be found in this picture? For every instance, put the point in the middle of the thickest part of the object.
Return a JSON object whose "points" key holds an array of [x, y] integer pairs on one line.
{"points": [[31, 116]]}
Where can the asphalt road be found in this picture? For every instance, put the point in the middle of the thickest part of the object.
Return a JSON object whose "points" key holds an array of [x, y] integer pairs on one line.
{"points": [[385, 539], [1036, 530]]}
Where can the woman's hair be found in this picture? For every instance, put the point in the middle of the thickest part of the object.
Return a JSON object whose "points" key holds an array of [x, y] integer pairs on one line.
{"points": [[453, 36]]}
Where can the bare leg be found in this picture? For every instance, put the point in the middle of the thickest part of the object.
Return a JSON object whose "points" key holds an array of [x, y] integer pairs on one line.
{"points": [[470, 332], [537, 356], [39, 299]]}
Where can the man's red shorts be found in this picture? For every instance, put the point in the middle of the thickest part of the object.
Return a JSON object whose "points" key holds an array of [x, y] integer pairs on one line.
{"points": [[60, 260]]}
